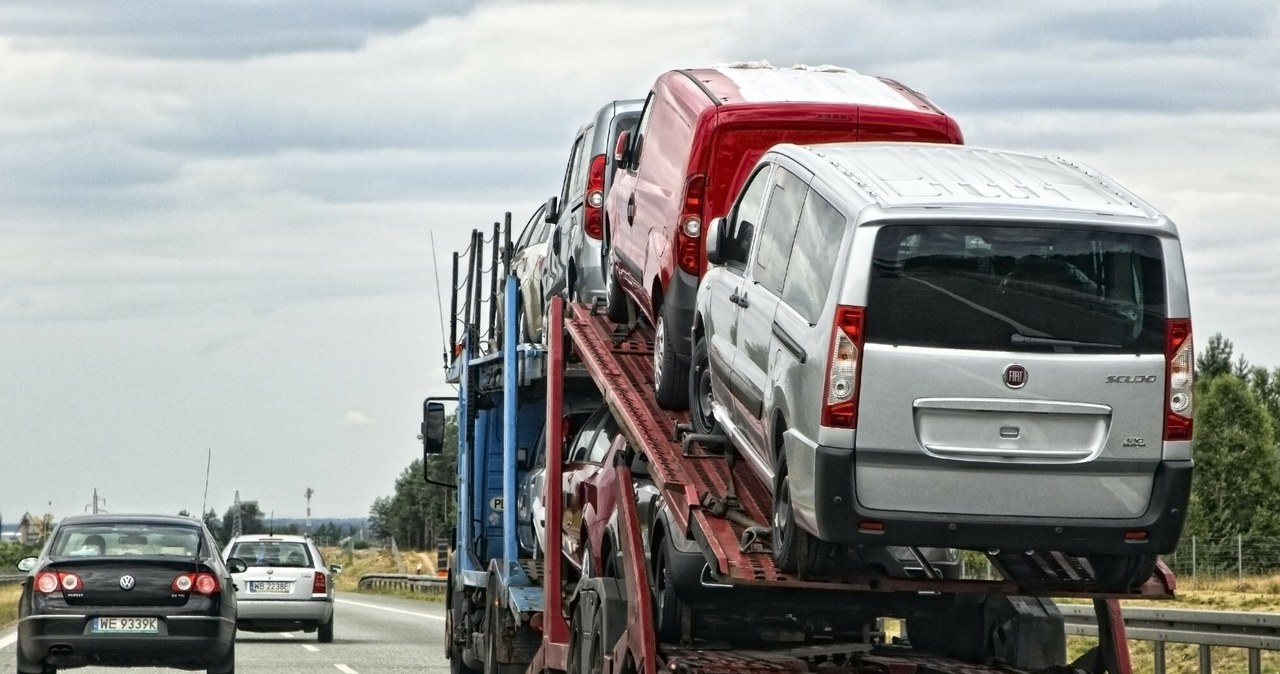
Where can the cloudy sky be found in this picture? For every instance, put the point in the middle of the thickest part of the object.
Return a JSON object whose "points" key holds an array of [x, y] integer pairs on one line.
{"points": [[217, 216]]}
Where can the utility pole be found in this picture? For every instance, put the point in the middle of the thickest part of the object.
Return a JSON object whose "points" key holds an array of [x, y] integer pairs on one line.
{"points": [[307, 530], [236, 528]]}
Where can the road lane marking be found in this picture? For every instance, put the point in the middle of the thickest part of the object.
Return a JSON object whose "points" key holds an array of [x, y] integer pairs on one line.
{"points": [[288, 635], [8, 641], [345, 669], [391, 610], [311, 648]]}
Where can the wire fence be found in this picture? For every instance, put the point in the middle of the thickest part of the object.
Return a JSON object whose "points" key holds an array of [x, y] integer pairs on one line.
{"points": [[1228, 557]]}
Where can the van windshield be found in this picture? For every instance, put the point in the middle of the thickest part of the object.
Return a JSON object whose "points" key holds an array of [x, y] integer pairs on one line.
{"points": [[1002, 288]]}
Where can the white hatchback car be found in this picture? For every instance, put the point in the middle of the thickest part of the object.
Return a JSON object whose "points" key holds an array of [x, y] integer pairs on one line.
{"points": [[287, 586]]}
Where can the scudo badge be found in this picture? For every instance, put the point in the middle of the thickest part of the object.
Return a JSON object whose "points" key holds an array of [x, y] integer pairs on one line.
{"points": [[1015, 376]]}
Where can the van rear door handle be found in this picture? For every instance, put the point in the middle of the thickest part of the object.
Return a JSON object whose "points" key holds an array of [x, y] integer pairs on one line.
{"points": [[631, 208]]}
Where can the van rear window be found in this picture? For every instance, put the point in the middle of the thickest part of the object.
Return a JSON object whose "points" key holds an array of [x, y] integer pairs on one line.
{"points": [[1002, 288]]}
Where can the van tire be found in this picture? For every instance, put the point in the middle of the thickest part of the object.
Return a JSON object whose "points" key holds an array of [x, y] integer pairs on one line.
{"points": [[670, 372], [794, 549], [615, 308], [700, 391]]}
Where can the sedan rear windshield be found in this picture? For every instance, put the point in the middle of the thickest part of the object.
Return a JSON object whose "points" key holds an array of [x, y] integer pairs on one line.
{"points": [[126, 540], [1002, 288], [272, 553]]}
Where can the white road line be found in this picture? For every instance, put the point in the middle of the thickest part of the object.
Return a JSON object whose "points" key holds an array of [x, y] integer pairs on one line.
{"points": [[288, 635], [8, 641], [390, 610], [345, 669], [311, 648]]}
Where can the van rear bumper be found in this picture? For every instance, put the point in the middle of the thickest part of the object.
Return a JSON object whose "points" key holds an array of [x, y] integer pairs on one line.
{"points": [[839, 518]]}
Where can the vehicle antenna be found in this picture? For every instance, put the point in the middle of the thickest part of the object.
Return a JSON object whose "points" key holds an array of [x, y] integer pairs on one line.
{"points": [[205, 500], [435, 268]]}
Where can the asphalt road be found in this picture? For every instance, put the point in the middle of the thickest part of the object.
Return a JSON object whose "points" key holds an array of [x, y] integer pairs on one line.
{"points": [[372, 633]]}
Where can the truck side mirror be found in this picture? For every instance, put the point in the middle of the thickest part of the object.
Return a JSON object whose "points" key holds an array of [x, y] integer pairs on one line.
{"points": [[622, 151], [713, 234], [432, 428]]}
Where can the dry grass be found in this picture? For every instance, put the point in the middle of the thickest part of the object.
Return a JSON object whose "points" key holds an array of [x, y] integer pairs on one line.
{"points": [[357, 563], [9, 603]]}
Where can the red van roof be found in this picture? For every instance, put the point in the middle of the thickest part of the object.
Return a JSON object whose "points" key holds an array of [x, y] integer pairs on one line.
{"points": [[759, 83]]}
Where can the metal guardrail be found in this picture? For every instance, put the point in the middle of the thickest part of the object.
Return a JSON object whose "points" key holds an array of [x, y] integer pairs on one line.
{"points": [[1253, 631], [403, 582], [12, 579]]}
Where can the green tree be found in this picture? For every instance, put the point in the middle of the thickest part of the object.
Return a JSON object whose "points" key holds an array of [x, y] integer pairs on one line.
{"points": [[251, 520], [1215, 360], [418, 512], [1236, 490]]}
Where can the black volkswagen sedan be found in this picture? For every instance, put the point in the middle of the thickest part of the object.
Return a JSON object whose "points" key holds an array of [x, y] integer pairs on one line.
{"points": [[122, 590]]}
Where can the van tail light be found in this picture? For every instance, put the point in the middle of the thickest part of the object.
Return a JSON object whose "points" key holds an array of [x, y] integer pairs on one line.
{"points": [[689, 230], [844, 367], [594, 226], [48, 582], [200, 583], [318, 585], [1180, 378]]}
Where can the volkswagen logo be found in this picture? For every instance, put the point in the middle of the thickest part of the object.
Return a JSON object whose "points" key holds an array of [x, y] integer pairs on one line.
{"points": [[1015, 376], [126, 582]]}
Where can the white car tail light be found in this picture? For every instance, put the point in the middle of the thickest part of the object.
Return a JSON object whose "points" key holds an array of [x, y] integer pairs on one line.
{"points": [[840, 404], [1180, 377]]}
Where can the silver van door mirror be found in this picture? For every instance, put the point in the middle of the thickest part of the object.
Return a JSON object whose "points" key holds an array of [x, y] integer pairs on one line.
{"points": [[552, 211], [713, 234]]}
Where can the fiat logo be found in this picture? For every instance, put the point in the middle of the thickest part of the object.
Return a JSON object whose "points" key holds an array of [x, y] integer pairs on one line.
{"points": [[126, 582], [1015, 376]]}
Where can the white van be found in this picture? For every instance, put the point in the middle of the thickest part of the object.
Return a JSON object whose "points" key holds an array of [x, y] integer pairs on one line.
{"points": [[935, 345]]}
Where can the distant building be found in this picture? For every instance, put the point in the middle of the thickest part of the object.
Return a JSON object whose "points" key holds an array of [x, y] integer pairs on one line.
{"points": [[32, 530]]}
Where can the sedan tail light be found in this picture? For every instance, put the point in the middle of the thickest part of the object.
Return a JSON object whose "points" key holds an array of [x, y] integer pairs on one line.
{"points": [[200, 583], [318, 586], [48, 582], [840, 399], [1180, 378]]}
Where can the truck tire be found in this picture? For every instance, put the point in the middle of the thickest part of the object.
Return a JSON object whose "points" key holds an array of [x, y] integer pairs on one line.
{"points": [[700, 391], [670, 372], [494, 624], [794, 549]]}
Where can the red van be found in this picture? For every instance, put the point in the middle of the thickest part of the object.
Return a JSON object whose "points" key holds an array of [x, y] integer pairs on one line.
{"points": [[700, 134]]}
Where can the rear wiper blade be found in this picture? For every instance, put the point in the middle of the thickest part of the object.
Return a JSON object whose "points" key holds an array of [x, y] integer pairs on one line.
{"points": [[1027, 340]]}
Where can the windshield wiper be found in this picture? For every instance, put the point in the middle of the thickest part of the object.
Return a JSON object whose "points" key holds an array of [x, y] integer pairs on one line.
{"points": [[1027, 340]]}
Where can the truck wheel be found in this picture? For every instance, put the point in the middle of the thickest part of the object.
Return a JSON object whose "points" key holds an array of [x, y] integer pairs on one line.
{"points": [[700, 391], [457, 660], [615, 307], [794, 549], [670, 373], [493, 631]]}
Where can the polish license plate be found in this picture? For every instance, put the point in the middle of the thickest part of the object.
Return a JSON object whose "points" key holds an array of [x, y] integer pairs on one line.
{"points": [[119, 625], [271, 586]]}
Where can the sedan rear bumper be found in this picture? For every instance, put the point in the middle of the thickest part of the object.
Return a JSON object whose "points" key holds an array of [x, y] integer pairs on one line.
{"points": [[188, 642], [281, 614]]}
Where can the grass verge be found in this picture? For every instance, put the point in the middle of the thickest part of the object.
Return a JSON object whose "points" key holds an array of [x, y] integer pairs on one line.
{"points": [[9, 603]]}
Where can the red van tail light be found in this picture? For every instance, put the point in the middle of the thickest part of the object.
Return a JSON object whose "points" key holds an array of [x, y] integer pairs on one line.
{"points": [[1180, 378], [840, 404], [318, 586], [48, 582], [594, 225], [689, 229]]}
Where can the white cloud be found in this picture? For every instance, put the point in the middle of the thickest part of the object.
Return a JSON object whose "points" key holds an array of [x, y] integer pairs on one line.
{"points": [[355, 419]]}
